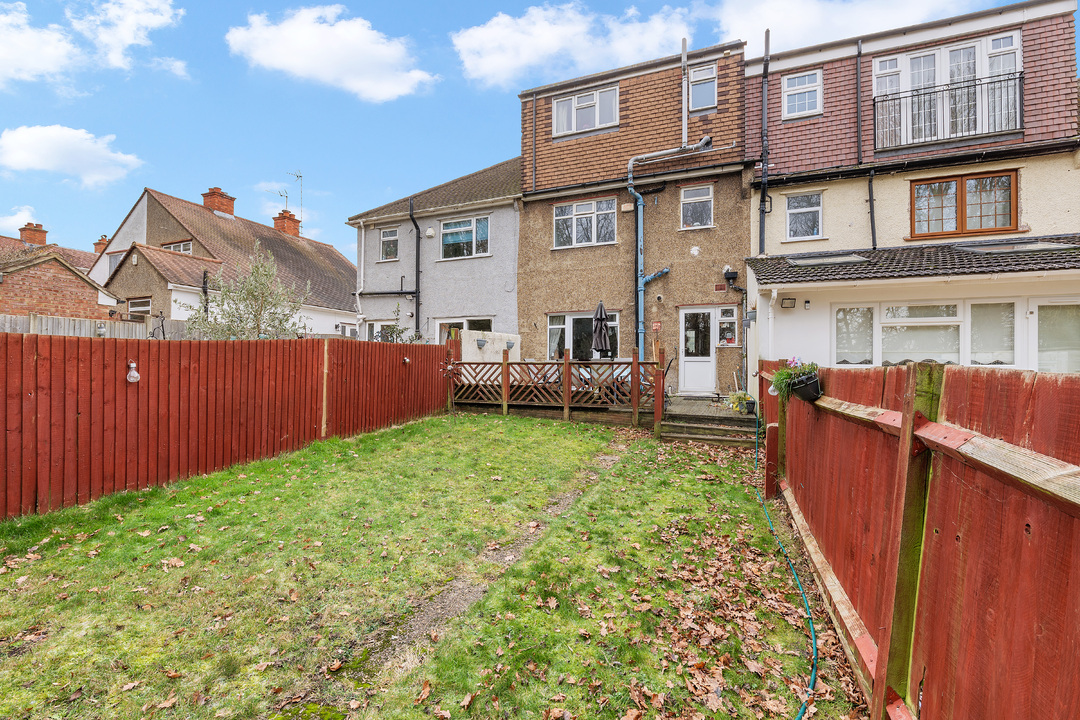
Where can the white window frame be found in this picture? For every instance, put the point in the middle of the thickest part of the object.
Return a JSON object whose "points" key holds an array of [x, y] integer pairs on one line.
{"points": [[817, 85], [568, 325], [134, 306], [583, 209], [374, 327], [1034, 305], [180, 247], [466, 324], [386, 235], [581, 100], [684, 201], [819, 210], [115, 258], [701, 75], [472, 231]]}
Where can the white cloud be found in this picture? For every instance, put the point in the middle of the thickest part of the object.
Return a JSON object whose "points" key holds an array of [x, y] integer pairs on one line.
{"points": [[566, 40], [65, 150], [29, 53], [10, 224], [116, 25], [313, 44], [169, 64]]}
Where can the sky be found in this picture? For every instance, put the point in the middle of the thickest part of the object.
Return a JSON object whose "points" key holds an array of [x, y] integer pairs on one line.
{"points": [[366, 101]]}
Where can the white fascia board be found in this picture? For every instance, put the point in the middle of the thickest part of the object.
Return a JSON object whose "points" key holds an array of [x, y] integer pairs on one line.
{"points": [[648, 180], [921, 280], [490, 203], [895, 40]]}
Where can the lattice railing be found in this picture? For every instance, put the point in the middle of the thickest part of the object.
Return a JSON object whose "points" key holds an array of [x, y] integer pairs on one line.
{"points": [[478, 382], [592, 384]]}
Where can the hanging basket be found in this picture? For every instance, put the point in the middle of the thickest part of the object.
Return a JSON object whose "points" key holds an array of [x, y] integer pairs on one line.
{"points": [[806, 388]]}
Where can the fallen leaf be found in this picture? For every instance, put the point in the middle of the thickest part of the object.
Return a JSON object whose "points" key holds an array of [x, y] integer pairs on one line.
{"points": [[424, 692], [172, 674], [442, 714], [334, 666], [467, 701], [130, 686], [168, 703]]}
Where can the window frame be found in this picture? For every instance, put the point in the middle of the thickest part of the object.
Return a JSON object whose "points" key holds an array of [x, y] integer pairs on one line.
{"points": [[149, 306], [785, 91], [961, 205], [683, 202], [573, 99], [384, 238], [444, 325], [692, 82], [173, 247], [575, 214], [472, 220], [819, 210], [567, 326]]}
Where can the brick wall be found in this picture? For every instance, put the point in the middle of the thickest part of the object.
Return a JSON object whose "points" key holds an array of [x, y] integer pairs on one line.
{"points": [[49, 288], [830, 140], [650, 119]]}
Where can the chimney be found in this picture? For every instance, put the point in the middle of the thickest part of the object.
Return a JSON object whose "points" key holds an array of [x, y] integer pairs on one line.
{"points": [[286, 222], [32, 234], [99, 245], [214, 199]]}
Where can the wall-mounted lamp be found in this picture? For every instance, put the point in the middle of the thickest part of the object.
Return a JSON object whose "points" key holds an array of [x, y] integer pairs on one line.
{"points": [[100, 330], [337, 326], [509, 344], [133, 374], [806, 305], [112, 313], [430, 232], [787, 303], [480, 343]]}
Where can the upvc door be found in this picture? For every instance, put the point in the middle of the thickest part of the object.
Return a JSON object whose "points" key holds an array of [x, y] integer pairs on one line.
{"points": [[697, 361], [1056, 337]]}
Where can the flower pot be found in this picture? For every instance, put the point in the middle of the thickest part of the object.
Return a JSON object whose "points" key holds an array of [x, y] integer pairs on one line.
{"points": [[806, 387], [751, 406]]}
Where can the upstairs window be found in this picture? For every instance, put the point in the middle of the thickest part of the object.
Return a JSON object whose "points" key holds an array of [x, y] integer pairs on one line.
{"points": [[585, 223], [388, 245], [703, 87], [180, 247], [696, 206], [963, 204], [586, 111], [804, 217], [801, 95], [464, 238]]}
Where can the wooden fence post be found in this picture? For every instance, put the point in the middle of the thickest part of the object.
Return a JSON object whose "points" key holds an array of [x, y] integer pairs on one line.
{"points": [[658, 394], [325, 388], [921, 398], [635, 386], [506, 381], [772, 454], [566, 384], [449, 375]]}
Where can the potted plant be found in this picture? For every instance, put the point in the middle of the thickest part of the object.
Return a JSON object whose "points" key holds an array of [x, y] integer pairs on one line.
{"points": [[798, 378], [742, 402]]}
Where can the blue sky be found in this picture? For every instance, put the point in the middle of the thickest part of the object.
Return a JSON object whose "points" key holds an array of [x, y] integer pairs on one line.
{"points": [[368, 101]]}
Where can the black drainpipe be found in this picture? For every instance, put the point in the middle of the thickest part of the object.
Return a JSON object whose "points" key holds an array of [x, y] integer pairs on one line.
{"points": [[416, 297], [858, 102], [873, 223], [206, 293], [764, 147]]}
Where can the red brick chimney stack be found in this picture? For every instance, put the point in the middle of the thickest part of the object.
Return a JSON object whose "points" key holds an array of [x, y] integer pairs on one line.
{"points": [[214, 199], [32, 234], [286, 222], [99, 245]]}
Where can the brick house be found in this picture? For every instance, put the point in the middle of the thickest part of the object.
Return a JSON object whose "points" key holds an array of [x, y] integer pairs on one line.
{"points": [[461, 272], [580, 223], [158, 256], [44, 279], [920, 199]]}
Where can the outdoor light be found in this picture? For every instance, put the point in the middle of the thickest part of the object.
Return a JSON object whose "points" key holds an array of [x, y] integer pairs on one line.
{"points": [[787, 303], [101, 328], [509, 344], [806, 305], [480, 343], [133, 374]]}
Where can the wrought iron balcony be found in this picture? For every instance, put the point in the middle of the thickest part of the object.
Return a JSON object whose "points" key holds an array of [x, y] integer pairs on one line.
{"points": [[947, 112]]}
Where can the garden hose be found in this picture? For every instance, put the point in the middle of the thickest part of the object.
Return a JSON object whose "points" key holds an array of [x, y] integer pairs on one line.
{"points": [[806, 602]]}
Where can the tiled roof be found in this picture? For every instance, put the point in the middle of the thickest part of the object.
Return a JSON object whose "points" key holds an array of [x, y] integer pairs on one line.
{"points": [[79, 259], [184, 269], [498, 181], [232, 239], [919, 261]]}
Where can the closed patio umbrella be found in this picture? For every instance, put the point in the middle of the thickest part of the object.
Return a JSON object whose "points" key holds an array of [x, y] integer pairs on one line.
{"points": [[600, 341]]}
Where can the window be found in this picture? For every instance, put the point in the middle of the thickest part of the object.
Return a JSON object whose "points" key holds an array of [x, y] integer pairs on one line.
{"points": [[114, 260], [586, 111], [697, 206], [579, 329], [388, 244], [993, 332], [180, 247], [138, 306], [801, 95], [965, 204], [804, 217], [703, 87], [1059, 337], [464, 238], [855, 336], [585, 223], [479, 324], [382, 331], [347, 329]]}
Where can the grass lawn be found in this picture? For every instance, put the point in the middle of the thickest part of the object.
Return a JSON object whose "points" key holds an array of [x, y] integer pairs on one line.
{"points": [[272, 589]]}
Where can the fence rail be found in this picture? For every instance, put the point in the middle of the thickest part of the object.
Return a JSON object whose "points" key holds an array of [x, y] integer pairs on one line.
{"points": [[941, 508], [75, 429]]}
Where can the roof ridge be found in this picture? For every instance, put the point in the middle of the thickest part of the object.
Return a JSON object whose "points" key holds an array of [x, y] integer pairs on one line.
{"points": [[238, 217]]}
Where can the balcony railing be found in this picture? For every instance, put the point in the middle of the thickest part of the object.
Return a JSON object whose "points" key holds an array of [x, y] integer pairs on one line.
{"points": [[947, 112]]}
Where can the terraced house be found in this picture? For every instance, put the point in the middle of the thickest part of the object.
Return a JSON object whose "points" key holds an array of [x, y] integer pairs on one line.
{"points": [[635, 196], [919, 195]]}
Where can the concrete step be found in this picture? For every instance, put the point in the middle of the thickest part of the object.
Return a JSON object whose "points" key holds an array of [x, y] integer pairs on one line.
{"points": [[686, 428], [711, 439], [725, 420]]}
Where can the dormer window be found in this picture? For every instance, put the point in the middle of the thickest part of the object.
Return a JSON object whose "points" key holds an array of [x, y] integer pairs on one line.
{"points": [[586, 111], [180, 247], [703, 87], [802, 95]]}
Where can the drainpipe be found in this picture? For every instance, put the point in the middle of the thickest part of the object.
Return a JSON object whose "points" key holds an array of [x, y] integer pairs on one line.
{"points": [[873, 223], [764, 147], [416, 297], [685, 93], [206, 293], [360, 282], [858, 102], [639, 218]]}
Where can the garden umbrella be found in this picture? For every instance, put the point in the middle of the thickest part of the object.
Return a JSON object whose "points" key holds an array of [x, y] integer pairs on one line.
{"points": [[600, 341]]}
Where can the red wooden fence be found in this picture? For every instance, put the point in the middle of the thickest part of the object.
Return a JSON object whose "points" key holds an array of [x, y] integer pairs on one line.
{"points": [[74, 429], [941, 508]]}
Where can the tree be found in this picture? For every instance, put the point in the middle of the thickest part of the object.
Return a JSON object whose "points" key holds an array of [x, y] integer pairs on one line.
{"points": [[397, 333], [257, 305]]}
